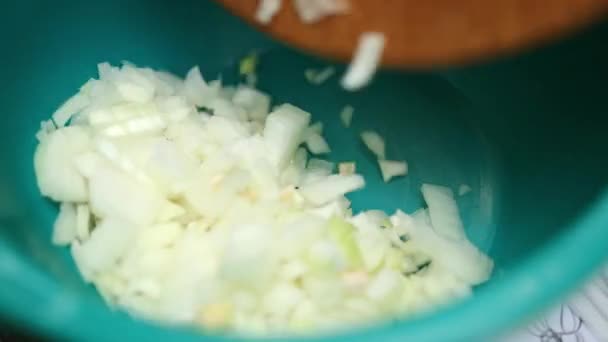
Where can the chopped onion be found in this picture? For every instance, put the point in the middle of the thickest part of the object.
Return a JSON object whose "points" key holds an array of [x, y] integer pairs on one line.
{"points": [[46, 127], [133, 85], [464, 189], [316, 144], [83, 220], [71, 107], [330, 188], [115, 194], [317, 169], [311, 11], [266, 10], [365, 61], [196, 89], [346, 168], [64, 230], [316, 128], [54, 164], [107, 243], [460, 257], [346, 115], [374, 143], [391, 168], [255, 102], [171, 190], [318, 77], [225, 108], [443, 211], [283, 131]]}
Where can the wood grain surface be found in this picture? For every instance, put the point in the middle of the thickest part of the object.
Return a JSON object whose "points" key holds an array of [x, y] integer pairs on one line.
{"points": [[427, 33]]}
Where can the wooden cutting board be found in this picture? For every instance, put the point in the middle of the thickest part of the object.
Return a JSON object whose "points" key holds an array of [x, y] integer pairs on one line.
{"points": [[429, 33]]}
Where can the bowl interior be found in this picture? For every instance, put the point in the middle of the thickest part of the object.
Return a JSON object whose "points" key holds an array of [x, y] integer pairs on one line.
{"points": [[525, 133]]}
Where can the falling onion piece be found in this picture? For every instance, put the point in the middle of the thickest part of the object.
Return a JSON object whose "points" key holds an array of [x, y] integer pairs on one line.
{"points": [[346, 115], [83, 220], [392, 168], [312, 11], [266, 10], [365, 61], [464, 189], [319, 76], [374, 142]]}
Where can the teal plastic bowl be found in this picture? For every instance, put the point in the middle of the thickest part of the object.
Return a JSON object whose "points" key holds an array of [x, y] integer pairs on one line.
{"points": [[527, 133]]}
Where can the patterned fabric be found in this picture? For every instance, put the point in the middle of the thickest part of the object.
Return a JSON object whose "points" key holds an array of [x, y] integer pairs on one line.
{"points": [[561, 325]]}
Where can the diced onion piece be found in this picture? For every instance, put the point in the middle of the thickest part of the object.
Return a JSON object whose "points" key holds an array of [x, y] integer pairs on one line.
{"points": [[320, 166], [461, 257], [70, 107], [56, 173], [224, 129], [46, 127], [316, 144], [138, 125], [170, 211], [196, 89], [392, 168], [225, 108], [385, 286], [255, 102], [212, 199], [343, 234], [237, 260], [158, 236], [133, 85], [365, 61], [339, 207], [266, 10], [311, 11], [317, 77], [108, 242], [64, 230], [464, 189], [324, 166], [115, 194], [330, 188], [174, 108], [83, 221], [374, 143], [372, 242], [443, 211], [283, 132], [317, 169], [316, 128], [106, 71], [282, 299], [134, 92], [347, 168], [346, 115], [79, 260]]}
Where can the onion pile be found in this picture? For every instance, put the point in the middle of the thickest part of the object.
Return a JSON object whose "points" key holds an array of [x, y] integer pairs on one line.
{"points": [[190, 203]]}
